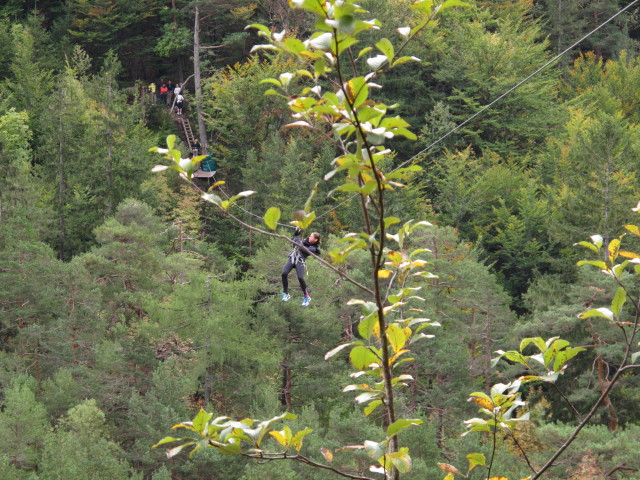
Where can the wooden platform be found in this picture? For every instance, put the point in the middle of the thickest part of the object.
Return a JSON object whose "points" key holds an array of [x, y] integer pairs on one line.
{"points": [[203, 174]]}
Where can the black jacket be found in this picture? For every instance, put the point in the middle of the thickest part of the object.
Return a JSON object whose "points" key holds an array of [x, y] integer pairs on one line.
{"points": [[304, 246]]}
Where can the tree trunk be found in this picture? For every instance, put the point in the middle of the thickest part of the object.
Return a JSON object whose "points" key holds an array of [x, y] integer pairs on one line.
{"points": [[202, 133], [61, 183], [110, 202]]}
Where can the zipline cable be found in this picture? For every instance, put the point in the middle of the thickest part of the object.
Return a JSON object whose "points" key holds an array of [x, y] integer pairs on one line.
{"points": [[482, 110]]}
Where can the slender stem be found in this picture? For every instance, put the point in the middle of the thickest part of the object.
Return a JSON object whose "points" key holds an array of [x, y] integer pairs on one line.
{"points": [[376, 260], [493, 450], [524, 454], [577, 414], [305, 460]]}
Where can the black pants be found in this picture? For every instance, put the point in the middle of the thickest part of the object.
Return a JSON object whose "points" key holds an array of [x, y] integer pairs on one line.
{"points": [[299, 271]]}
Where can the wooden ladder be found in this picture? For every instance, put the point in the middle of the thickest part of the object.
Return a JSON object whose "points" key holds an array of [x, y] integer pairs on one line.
{"points": [[188, 132]]}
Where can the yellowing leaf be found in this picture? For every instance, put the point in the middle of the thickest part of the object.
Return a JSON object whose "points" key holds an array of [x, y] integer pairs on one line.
{"points": [[327, 454], [384, 273], [279, 436], [396, 336], [624, 253], [445, 467], [483, 402], [614, 245]]}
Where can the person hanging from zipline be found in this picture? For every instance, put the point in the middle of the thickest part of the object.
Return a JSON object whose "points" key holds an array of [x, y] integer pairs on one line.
{"points": [[297, 259]]}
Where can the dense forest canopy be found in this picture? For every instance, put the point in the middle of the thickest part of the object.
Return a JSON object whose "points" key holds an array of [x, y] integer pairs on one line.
{"points": [[128, 304]]}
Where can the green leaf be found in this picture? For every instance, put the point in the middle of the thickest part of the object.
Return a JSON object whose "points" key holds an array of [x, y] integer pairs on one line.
{"points": [[424, 6], [361, 357], [618, 301], [357, 91], [364, 51], [476, 459], [307, 204], [596, 263], [272, 81], [339, 348], [386, 47], [565, 355], [400, 425], [588, 245], [296, 441], [171, 141], [165, 440], [396, 336], [453, 3], [320, 67], [537, 341], [405, 59], [597, 312], [388, 221], [373, 405], [262, 30], [401, 460], [634, 357], [367, 325], [517, 357], [271, 217], [200, 421]]}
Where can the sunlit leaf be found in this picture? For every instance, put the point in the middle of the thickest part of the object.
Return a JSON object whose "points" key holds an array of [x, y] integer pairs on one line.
{"points": [[400, 425], [165, 440], [447, 468], [361, 357], [271, 217], [372, 406], [597, 312], [401, 460], [296, 441], [476, 459], [596, 263], [397, 337], [327, 454], [614, 246], [339, 348], [386, 47], [375, 63], [618, 301], [633, 229]]}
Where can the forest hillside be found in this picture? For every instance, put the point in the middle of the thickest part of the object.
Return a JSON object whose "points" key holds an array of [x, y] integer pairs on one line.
{"points": [[468, 305]]}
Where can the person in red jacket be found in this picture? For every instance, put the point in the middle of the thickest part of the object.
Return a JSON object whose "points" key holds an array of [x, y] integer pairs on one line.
{"points": [[163, 92]]}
